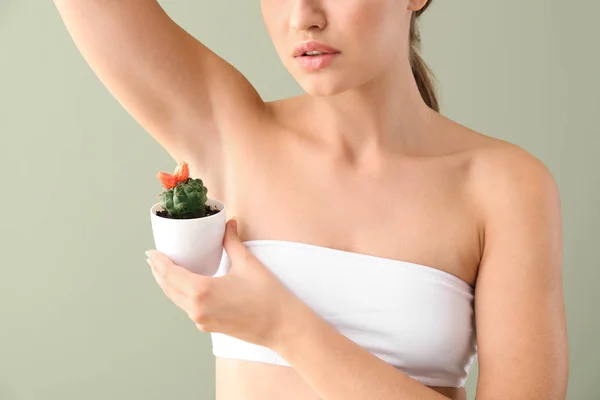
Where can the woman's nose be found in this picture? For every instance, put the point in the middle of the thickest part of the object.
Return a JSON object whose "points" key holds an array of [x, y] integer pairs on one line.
{"points": [[307, 15]]}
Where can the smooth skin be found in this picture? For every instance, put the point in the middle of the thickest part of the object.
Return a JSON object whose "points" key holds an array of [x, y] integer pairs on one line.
{"points": [[358, 163]]}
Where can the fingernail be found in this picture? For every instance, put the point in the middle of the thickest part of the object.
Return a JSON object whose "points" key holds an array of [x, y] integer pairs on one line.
{"points": [[234, 225]]}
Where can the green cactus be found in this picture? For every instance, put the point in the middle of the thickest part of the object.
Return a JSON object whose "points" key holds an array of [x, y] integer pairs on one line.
{"points": [[184, 197], [186, 200]]}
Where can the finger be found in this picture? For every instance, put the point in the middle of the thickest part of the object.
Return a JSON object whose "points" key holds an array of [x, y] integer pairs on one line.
{"points": [[172, 293], [186, 282], [194, 310], [232, 244]]}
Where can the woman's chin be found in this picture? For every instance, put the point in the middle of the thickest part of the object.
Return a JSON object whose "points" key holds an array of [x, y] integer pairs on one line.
{"points": [[320, 87]]}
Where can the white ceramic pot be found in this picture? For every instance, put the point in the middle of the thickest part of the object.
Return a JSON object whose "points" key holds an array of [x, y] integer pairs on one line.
{"points": [[195, 244]]}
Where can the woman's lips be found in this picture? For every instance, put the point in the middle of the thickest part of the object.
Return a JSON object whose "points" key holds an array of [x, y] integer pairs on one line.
{"points": [[315, 63]]}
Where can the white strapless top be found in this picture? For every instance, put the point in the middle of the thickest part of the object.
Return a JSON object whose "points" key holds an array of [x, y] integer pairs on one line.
{"points": [[417, 318]]}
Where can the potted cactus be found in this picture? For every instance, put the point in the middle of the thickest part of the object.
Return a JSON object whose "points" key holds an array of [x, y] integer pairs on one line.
{"points": [[187, 225]]}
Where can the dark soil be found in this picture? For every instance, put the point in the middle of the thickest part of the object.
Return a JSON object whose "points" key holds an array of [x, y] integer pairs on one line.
{"points": [[208, 210]]}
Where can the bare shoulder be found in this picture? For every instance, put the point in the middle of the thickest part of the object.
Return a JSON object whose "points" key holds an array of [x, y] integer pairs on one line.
{"points": [[494, 169], [501, 178], [504, 172], [513, 196]]}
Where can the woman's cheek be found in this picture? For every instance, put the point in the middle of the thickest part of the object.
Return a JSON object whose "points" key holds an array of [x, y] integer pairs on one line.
{"points": [[365, 24]]}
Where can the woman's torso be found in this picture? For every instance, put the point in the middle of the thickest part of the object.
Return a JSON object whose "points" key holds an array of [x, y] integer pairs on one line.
{"points": [[419, 207]]}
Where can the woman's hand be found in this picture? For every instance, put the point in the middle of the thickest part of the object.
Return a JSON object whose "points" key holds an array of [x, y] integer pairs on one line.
{"points": [[249, 302]]}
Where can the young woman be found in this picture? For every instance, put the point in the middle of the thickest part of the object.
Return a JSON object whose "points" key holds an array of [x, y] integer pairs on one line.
{"points": [[402, 231]]}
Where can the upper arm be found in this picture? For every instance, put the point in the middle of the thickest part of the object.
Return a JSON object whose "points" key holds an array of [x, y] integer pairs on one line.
{"points": [[519, 304], [181, 92]]}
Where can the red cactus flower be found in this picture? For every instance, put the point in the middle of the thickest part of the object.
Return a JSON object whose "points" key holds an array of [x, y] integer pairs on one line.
{"points": [[167, 180], [182, 172]]}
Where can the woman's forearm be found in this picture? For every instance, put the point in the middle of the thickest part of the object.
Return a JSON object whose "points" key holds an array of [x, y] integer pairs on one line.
{"points": [[337, 368]]}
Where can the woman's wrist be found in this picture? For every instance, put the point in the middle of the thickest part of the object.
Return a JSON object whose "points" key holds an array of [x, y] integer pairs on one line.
{"points": [[296, 318]]}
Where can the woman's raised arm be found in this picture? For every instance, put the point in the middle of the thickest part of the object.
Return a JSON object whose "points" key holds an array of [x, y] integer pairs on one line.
{"points": [[180, 91]]}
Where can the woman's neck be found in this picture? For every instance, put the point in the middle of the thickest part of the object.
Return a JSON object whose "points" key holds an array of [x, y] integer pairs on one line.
{"points": [[384, 115]]}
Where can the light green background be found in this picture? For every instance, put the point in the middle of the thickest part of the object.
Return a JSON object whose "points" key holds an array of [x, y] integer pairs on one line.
{"points": [[81, 316]]}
